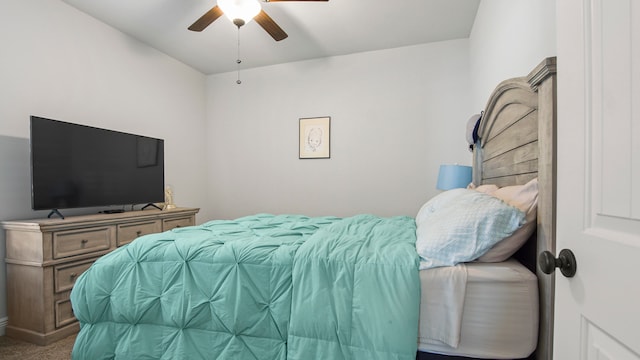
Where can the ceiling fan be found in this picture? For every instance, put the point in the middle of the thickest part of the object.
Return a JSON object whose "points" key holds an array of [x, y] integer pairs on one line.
{"points": [[240, 12]]}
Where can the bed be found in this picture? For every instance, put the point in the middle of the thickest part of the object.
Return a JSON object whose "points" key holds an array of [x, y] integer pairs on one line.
{"points": [[516, 144], [294, 287]]}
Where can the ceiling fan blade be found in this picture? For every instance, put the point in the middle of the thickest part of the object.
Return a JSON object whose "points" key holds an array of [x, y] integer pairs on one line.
{"points": [[270, 26], [206, 19]]}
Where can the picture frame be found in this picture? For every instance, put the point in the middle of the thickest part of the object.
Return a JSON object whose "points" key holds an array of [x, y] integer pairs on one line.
{"points": [[314, 138]]}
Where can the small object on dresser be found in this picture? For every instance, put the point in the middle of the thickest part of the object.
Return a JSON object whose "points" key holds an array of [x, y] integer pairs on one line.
{"points": [[168, 198]]}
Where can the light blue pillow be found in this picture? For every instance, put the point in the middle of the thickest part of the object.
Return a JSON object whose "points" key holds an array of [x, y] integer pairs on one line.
{"points": [[461, 225]]}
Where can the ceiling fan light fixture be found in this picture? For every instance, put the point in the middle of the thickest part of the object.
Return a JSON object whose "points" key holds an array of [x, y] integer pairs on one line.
{"points": [[240, 12]]}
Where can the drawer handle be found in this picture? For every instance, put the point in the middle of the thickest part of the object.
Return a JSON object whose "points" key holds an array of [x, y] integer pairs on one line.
{"points": [[84, 241], [73, 276], [138, 233]]}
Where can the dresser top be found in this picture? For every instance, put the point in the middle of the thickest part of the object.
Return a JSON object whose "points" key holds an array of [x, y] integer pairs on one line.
{"points": [[95, 219]]}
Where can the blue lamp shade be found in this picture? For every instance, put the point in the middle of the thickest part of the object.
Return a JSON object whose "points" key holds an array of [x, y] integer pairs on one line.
{"points": [[453, 176]]}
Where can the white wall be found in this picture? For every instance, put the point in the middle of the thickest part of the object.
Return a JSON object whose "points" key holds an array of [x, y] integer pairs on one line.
{"points": [[57, 62], [508, 39], [396, 115]]}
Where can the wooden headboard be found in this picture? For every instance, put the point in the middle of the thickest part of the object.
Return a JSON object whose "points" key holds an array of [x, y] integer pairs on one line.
{"points": [[517, 142]]}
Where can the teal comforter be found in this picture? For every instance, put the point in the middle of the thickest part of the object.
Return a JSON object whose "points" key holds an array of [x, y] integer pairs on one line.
{"points": [[259, 287]]}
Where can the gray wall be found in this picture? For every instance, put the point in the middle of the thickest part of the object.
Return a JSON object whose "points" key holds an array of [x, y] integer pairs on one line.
{"points": [[508, 39], [396, 115]]}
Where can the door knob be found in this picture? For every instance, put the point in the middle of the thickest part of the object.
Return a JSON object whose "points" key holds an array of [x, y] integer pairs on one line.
{"points": [[566, 261]]}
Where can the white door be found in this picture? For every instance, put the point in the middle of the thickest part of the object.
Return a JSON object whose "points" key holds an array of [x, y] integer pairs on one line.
{"points": [[597, 312]]}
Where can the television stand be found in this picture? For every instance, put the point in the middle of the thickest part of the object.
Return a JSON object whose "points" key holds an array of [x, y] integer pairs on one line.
{"points": [[151, 204], [55, 211]]}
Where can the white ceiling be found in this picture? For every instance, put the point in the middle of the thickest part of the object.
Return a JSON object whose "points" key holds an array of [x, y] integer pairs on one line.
{"points": [[315, 29]]}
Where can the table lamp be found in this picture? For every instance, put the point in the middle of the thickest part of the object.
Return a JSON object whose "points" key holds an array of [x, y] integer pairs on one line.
{"points": [[453, 176]]}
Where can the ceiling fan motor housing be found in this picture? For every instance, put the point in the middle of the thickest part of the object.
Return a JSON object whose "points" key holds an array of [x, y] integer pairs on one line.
{"points": [[241, 12]]}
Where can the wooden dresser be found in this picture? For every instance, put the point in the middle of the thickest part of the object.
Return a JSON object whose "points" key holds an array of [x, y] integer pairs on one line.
{"points": [[44, 257]]}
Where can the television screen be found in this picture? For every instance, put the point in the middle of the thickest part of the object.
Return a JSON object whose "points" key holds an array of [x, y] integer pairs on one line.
{"points": [[82, 166]]}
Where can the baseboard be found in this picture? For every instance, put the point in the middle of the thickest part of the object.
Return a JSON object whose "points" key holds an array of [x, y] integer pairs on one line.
{"points": [[3, 325]]}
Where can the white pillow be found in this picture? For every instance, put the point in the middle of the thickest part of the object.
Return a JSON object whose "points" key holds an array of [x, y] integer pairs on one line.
{"points": [[436, 203], [460, 225], [525, 198]]}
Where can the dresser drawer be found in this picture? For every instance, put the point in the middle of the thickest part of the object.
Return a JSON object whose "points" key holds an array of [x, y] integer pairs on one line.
{"points": [[168, 224], [76, 242], [129, 232], [64, 313], [64, 276]]}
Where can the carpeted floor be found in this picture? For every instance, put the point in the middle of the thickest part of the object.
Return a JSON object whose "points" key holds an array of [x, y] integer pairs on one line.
{"points": [[11, 349]]}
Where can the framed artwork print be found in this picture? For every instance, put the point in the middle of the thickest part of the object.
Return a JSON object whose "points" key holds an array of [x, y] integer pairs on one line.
{"points": [[315, 138]]}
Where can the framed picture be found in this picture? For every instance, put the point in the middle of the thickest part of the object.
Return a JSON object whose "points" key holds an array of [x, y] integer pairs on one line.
{"points": [[315, 138]]}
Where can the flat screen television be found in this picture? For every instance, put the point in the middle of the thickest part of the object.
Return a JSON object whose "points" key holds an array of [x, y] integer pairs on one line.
{"points": [[75, 166]]}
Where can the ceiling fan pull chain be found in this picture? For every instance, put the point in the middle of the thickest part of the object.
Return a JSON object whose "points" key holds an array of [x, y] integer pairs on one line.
{"points": [[238, 61]]}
